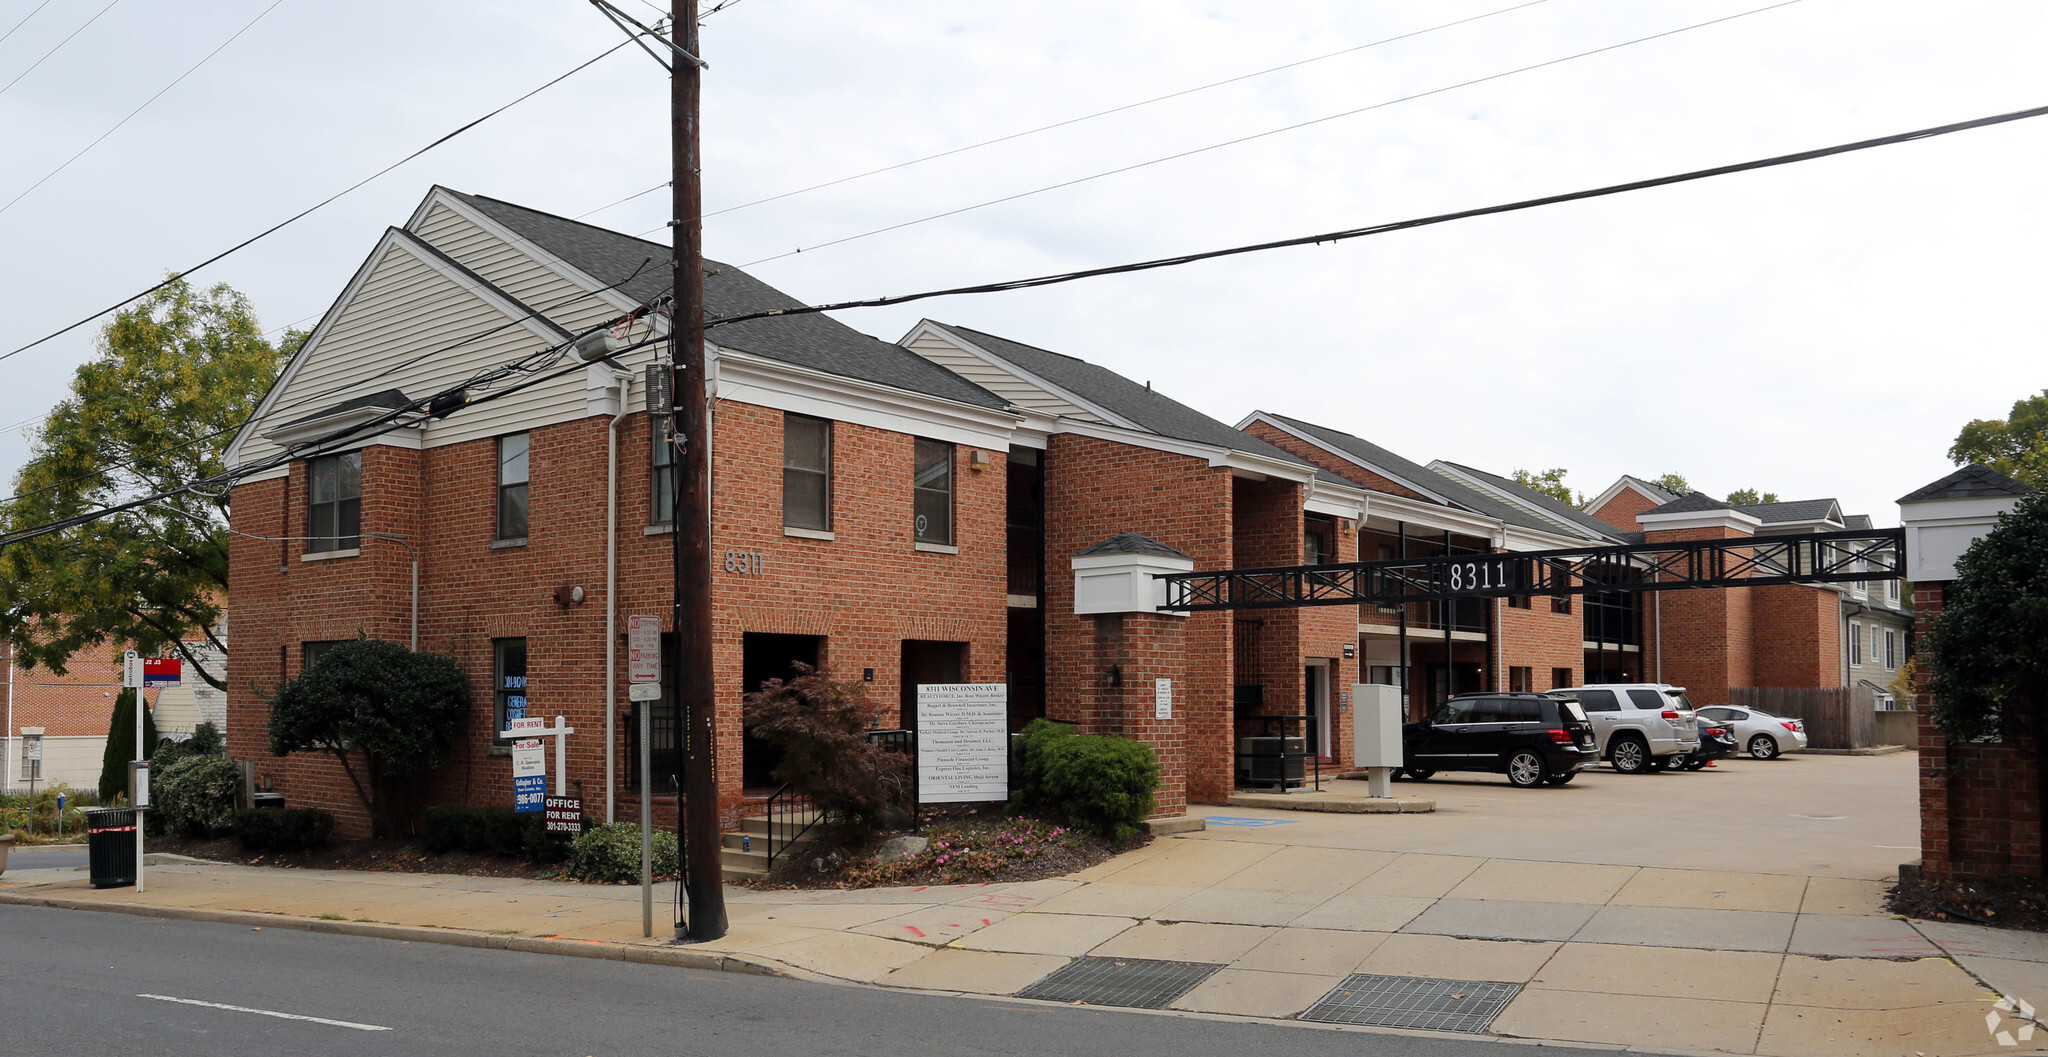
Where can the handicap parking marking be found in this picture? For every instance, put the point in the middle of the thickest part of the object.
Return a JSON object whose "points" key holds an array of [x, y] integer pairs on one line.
{"points": [[1234, 820]]}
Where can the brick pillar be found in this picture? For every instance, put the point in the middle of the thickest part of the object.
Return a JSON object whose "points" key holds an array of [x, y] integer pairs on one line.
{"points": [[1143, 648]]}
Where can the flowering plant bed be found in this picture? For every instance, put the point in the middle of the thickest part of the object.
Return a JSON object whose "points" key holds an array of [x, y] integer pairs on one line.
{"points": [[975, 846]]}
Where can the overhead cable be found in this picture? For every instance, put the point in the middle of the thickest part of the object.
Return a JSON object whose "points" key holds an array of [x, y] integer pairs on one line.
{"points": [[308, 211], [59, 47], [1268, 132], [145, 105], [1400, 225]]}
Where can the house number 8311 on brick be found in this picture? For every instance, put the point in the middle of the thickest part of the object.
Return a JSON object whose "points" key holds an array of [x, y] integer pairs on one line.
{"points": [[745, 563]]}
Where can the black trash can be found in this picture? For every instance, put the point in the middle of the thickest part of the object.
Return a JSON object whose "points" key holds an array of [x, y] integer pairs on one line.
{"points": [[110, 846]]}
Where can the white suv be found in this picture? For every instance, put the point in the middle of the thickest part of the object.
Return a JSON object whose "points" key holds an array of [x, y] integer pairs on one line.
{"points": [[1640, 726]]}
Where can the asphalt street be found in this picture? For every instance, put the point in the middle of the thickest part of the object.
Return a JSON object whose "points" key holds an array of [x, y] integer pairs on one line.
{"points": [[76, 982], [50, 857]]}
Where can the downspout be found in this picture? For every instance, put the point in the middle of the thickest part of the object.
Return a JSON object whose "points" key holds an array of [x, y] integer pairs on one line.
{"points": [[611, 605]]}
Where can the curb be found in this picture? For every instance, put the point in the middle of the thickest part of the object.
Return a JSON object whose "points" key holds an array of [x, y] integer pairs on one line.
{"points": [[679, 957]]}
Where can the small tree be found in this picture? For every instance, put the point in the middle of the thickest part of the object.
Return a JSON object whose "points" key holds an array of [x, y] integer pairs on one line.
{"points": [[400, 713], [121, 746], [821, 726], [1987, 651]]}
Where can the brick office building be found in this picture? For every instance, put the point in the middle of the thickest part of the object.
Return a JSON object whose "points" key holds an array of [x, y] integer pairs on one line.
{"points": [[898, 513]]}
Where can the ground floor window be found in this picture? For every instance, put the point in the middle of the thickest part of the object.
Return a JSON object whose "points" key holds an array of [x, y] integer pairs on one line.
{"points": [[508, 663], [1560, 678], [1521, 680]]}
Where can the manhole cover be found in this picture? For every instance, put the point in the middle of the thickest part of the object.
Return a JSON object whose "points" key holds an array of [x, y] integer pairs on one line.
{"points": [[1414, 1002], [1134, 982]]}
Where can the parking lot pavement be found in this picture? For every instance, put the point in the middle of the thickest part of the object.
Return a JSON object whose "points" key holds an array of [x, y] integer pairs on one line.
{"points": [[1851, 817]]}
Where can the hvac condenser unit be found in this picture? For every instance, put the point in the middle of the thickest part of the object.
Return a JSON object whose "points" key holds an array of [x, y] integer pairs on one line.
{"points": [[1259, 761]]}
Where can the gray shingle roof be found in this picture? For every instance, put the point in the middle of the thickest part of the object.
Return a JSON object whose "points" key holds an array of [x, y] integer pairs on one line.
{"points": [[1133, 543], [1418, 476], [1856, 521], [813, 341], [1120, 396], [1795, 510], [1974, 481], [1656, 491], [1691, 503], [1548, 504]]}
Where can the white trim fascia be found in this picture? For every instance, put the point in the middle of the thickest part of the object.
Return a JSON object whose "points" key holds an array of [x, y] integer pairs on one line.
{"points": [[447, 197], [1261, 416], [1336, 500], [1416, 512], [749, 378], [1575, 533], [927, 326], [1692, 519], [1250, 462], [1615, 489]]}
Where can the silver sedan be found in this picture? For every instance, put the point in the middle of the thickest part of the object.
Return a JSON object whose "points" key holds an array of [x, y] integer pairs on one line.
{"points": [[1762, 735]]}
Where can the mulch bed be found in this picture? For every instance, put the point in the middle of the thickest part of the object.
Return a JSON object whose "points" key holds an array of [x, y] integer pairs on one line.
{"points": [[2002, 902], [388, 856], [824, 861]]}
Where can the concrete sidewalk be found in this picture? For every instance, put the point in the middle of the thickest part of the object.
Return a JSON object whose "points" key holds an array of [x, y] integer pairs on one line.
{"points": [[1672, 960]]}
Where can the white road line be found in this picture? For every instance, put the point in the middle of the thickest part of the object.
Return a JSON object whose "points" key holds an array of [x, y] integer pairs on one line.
{"points": [[268, 1013]]}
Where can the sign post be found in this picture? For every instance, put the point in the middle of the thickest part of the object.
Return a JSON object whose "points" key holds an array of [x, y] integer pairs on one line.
{"points": [[643, 678], [963, 742], [529, 760], [140, 673]]}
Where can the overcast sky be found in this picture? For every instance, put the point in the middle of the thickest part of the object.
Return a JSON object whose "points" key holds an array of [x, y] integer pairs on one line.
{"points": [[1818, 330]]}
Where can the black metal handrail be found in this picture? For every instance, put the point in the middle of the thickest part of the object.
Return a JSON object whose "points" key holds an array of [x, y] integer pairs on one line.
{"points": [[790, 815]]}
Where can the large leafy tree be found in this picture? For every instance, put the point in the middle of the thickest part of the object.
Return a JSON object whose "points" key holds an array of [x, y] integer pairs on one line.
{"points": [[398, 712], [1987, 651], [2016, 446], [1551, 483], [175, 376], [1750, 497]]}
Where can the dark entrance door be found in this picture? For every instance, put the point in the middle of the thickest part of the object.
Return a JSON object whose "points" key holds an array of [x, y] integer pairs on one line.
{"points": [[762, 658], [925, 661], [1027, 667]]}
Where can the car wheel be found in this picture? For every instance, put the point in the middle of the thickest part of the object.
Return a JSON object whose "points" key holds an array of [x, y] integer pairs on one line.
{"points": [[1561, 779], [1420, 774], [1763, 747], [1525, 770], [1630, 756]]}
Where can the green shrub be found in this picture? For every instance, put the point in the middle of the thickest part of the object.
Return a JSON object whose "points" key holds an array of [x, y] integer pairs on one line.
{"points": [[611, 854], [286, 830], [194, 796], [498, 831], [121, 745], [1100, 784]]}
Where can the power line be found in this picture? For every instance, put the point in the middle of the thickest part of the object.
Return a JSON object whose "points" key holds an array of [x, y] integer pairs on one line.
{"points": [[1401, 225], [1084, 117], [145, 105], [1261, 135], [24, 21], [308, 211], [59, 47], [309, 400]]}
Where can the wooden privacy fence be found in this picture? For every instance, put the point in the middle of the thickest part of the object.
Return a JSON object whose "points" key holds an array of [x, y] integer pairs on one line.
{"points": [[1837, 717]]}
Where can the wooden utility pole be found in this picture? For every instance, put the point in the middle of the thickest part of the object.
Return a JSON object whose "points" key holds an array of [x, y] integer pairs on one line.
{"points": [[697, 824]]}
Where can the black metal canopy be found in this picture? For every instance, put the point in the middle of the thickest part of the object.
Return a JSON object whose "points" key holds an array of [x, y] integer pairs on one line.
{"points": [[1748, 561]]}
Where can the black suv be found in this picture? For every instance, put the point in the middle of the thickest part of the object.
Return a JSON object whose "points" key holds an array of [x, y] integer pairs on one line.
{"points": [[1531, 738]]}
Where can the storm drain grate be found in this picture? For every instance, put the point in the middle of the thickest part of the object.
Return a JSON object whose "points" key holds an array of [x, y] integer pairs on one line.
{"points": [[1414, 1002], [1137, 983]]}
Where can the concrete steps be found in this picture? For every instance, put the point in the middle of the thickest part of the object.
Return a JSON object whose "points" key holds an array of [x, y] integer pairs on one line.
{"points": [[743, 854]]}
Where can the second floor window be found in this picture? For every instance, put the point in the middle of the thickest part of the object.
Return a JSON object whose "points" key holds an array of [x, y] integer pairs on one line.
{"points": [[806, 473], [932, 492], [334, 516], [1855, 643], [512, 495]]}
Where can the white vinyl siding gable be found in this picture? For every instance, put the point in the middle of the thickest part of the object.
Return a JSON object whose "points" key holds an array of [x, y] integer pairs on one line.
{"points": [[521, 277], [406, 307], [996, 380]]}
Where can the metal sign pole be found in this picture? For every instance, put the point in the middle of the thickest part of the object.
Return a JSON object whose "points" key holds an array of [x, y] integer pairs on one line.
{"points": [[132, 676]]}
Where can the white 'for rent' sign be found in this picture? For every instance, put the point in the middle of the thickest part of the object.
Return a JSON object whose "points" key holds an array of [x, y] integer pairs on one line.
{"points": [[963, 742]]}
